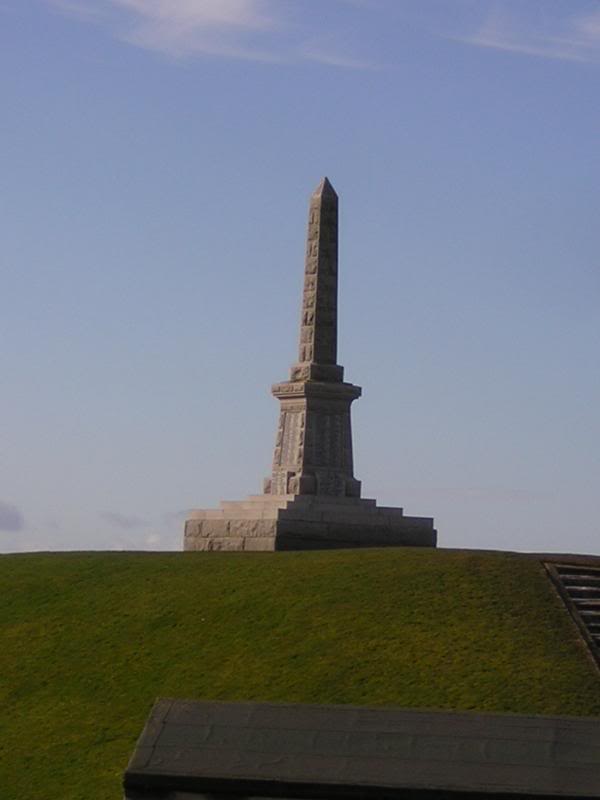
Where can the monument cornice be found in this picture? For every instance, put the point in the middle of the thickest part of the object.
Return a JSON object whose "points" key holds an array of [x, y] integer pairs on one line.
{"points": [[330, 391]]}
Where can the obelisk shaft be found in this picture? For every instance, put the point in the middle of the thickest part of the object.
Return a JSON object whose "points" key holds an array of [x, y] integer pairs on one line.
{"points": [[318, 335], [313, 447], [317, 357]]}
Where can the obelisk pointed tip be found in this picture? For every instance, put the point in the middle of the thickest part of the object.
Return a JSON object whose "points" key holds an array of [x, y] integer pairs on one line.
{"points": [[324, 188]]}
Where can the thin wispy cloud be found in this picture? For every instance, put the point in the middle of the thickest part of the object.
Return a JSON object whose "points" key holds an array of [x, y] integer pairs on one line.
{"points": [[574, 37], [257, 30], [332, 56], [190, 27]]}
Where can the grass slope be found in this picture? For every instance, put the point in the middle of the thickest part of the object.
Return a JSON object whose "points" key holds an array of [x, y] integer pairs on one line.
{"points": [[90, 640]]}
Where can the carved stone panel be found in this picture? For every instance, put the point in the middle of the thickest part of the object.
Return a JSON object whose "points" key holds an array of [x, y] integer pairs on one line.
{"points": [[292, 428]]}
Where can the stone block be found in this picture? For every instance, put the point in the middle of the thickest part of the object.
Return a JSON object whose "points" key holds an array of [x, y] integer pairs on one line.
{"points": [[230, 543], [305, 514], [195, 545], [300, 528], [344, 516], [215, 527], [342, 530], [193, 528], [388, 511], [256, 544], [292, 543], [252, 528], [420, 522]]}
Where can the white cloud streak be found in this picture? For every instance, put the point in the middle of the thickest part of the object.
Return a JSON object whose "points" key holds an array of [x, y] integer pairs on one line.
{"points": [[332, 58], [189, 27], [244, 29], [573, 38]]}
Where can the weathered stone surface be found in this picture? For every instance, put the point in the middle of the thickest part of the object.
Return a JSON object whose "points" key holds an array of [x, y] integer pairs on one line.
{"points": [[260, 544], [226, 543], [255, 528], [311, 499]]}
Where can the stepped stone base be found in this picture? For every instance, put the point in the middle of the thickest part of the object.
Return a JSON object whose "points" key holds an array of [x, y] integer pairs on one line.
{"points": [[304, 522]]}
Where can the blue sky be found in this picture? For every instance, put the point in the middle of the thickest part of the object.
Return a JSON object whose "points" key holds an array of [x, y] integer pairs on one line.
{"points": [[157, 158]]}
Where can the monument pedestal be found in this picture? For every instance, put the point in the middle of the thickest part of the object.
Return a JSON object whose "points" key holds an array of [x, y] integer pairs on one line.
{"points": [[304, 522]]}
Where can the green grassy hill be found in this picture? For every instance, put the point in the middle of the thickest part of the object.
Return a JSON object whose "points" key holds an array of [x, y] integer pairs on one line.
{"points": [[88, 641]]}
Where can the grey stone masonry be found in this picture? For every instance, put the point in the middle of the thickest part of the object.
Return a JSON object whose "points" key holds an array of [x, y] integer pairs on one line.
{"points": [[311, 499], [304, 522]]}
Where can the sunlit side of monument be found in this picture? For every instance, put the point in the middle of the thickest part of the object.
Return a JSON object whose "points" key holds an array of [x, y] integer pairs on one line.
{"points": [[312, 499]]}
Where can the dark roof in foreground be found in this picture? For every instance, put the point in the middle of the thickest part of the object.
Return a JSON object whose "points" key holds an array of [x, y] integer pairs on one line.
{"points": [[283, 750]]}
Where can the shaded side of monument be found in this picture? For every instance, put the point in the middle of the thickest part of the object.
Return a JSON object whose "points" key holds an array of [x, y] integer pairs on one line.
{"points": [[312, 500]]}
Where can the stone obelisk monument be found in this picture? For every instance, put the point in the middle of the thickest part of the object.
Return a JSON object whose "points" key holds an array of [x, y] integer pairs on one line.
{"points": [[312, 499]]}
